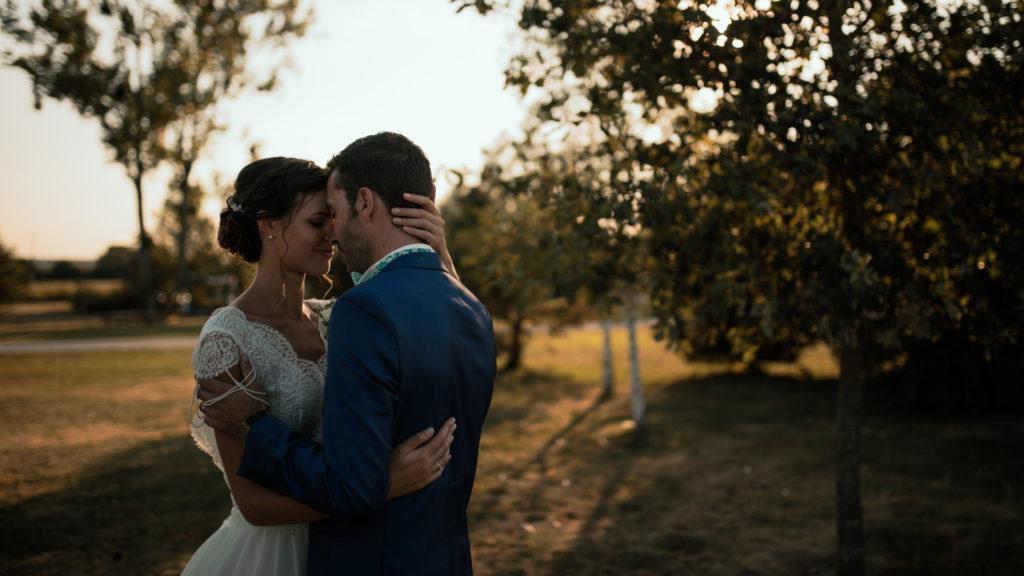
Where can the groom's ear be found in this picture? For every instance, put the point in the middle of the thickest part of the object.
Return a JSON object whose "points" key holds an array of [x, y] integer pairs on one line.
{"points": [[367, 203]]}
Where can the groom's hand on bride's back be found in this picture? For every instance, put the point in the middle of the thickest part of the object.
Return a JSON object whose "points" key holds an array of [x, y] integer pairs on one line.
{"points": [[420, 460], [228, 400]]}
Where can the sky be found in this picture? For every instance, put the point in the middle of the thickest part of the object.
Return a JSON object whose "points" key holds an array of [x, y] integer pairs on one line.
{"points": [[409, 66]]}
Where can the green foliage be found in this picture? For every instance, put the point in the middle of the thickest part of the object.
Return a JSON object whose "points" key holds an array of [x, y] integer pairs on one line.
{"points": [[857, 182], [846, 170]]}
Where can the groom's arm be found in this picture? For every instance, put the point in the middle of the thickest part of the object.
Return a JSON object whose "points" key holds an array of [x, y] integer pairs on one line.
{"points": [[346, 475]]}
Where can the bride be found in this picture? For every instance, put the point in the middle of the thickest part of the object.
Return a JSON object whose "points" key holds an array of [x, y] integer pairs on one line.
{"points": [[278, 219]]}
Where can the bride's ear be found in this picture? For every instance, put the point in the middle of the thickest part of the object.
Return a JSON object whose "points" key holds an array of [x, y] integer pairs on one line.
{"points": [[267, 228]]}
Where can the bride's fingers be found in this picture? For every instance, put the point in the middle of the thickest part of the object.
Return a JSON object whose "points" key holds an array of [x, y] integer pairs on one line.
{"points": [[424, 235], [416, 440], [437, 469], [210, 387], [437, 448], [421, 200], [417, 223], [432, 216]]}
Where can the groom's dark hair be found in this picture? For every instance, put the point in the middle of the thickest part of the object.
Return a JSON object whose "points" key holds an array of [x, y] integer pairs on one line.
{"points": [[387, 163]]}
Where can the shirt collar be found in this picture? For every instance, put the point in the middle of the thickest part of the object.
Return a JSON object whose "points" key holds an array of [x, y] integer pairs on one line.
{"points": [[379, 265]]}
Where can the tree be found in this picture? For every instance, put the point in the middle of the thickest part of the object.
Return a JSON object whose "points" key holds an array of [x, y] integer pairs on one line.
{"points": [[211, 53], [14, 276], [145, 71], [64, 270], [203, 258], [564, 203], [502, 244], [116, 262], [818, 169]]}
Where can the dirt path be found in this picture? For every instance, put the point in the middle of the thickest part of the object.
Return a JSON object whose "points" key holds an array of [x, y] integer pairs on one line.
{"points": [[99, 345]]}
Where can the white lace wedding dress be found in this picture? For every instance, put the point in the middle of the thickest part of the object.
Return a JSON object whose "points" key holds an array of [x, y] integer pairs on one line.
{"points": [[296, 398]]}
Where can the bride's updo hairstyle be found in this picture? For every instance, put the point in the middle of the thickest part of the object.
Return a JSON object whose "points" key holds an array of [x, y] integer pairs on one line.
{"points": [[267, 188]]}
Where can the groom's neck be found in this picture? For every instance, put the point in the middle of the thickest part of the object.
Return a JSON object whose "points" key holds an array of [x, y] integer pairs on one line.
{"points": [[389, 244]]}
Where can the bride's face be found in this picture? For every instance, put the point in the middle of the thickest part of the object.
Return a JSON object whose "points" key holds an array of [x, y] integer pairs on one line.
{"points": [[306, 243]]}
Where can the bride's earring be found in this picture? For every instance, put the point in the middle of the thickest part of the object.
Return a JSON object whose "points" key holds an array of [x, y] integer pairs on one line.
{"points": [[270, 237]]}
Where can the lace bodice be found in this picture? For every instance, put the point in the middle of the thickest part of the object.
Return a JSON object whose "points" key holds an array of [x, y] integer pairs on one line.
{"points": [[296, 385]]}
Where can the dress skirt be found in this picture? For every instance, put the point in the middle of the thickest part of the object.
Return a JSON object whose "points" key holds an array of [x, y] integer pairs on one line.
{"points": [[239, 548]]}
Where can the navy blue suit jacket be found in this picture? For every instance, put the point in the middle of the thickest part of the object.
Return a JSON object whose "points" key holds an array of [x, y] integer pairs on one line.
{"points": [[406, 350]]}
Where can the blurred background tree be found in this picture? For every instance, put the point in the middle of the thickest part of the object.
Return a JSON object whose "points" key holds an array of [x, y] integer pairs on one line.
{"points": [[839, 170], [150, 74], [209, 270], [546, 235], [503, 243], [14, 276]]}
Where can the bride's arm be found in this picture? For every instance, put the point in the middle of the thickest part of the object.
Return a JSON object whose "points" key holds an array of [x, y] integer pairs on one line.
{"points": [[412, 467], [426, 224], [415, 463], [260, 506]]}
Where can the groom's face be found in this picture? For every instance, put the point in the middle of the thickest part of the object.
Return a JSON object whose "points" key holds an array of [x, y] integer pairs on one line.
{"points": [[348, 229]]}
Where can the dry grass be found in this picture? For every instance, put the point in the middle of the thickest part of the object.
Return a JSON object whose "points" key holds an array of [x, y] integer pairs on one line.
{"points": [[97, 474]]}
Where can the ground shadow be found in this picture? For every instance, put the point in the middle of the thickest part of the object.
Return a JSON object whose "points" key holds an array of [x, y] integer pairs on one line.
{"points": [[737, 477], [141, 511]]}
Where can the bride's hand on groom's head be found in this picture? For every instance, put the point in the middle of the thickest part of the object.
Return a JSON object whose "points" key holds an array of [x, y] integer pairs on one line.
{"points": [[227, 400], [426, 224], [421, 459]]}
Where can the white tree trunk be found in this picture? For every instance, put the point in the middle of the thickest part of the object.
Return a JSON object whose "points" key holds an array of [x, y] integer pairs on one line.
{"points": [[639, 405], [609, 369]]}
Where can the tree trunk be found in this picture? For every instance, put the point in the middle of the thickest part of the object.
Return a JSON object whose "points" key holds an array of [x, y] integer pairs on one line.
{"points": [[145, 272], [607, 387], [515, 348], [637, 401], [184, 215], [848, 502]]}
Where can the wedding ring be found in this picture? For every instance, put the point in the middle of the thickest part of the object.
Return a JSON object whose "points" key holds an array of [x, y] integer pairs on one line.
{"points": [[439, 467]]}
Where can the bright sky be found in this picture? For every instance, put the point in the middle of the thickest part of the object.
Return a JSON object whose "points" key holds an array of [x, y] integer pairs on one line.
{"points": [[409, 66]]}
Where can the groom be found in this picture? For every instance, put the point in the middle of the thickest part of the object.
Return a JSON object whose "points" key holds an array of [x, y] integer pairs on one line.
{"points": [[408, 347]]}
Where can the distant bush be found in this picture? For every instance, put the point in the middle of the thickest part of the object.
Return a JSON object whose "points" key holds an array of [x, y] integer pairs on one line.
{"points": [[14, 276], [91, 301]]}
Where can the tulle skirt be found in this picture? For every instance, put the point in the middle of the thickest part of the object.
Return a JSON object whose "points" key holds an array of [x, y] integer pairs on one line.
{"points": [[238, 548]]}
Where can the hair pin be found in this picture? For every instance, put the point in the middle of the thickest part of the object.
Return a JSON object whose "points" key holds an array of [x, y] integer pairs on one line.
{"points": [[233, 205]]}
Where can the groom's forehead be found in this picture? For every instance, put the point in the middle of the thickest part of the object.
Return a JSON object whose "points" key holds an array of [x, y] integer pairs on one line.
{"points": [[332, 180], [333, 187]]}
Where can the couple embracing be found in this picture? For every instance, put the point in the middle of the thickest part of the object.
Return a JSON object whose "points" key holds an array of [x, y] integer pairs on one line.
{"points": [[334, 422]]}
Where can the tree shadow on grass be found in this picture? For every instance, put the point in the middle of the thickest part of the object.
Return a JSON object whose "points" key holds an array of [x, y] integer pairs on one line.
{"points": [[141, 511], [737, 478], [485, 503], [675, 503]]}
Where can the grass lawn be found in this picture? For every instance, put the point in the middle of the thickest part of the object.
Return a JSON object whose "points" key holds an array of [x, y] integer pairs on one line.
{"points": [[98, 475]]}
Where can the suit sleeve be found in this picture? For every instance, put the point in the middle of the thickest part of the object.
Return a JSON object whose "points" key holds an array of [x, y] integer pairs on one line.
{"points": [[347, 475]]}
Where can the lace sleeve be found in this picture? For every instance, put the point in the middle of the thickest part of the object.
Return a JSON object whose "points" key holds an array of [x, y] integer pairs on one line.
{"points": [[214, 354]]}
